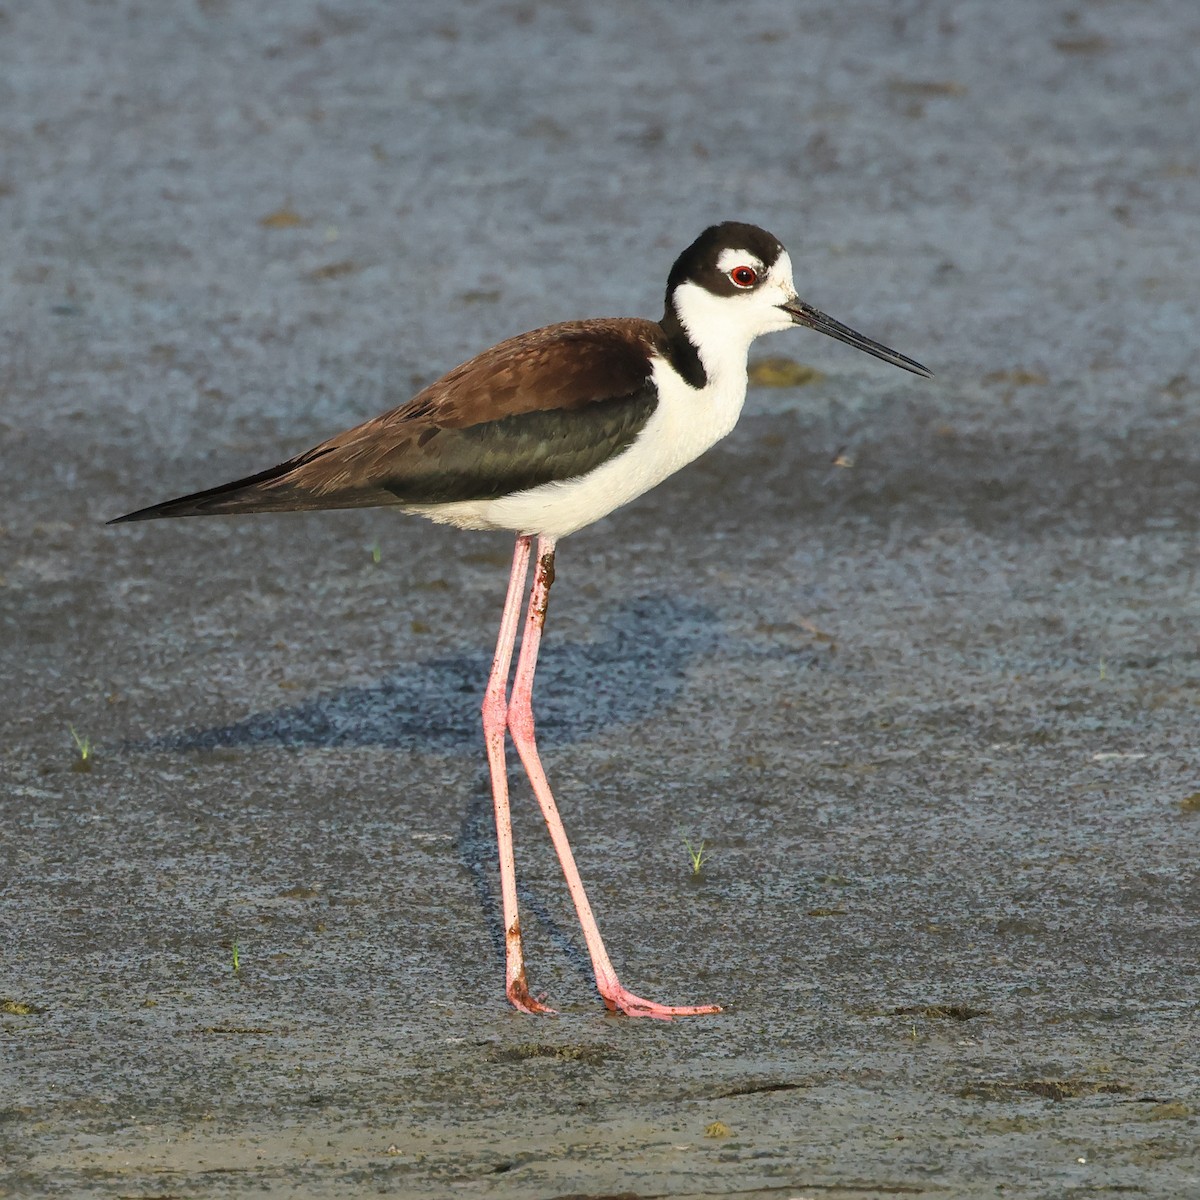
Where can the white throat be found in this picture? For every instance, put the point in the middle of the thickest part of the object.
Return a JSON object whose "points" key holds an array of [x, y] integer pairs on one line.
{"points": [[713, 326]]}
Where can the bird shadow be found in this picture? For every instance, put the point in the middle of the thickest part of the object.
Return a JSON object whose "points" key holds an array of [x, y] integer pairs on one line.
{"points": [[635, 666]]}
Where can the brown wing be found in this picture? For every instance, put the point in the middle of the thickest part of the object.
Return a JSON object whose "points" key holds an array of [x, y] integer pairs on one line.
{"points": [[545, 406]]}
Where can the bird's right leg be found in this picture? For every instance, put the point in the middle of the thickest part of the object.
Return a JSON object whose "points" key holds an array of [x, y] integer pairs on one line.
{"points": [[495, 724], [616, 996]]}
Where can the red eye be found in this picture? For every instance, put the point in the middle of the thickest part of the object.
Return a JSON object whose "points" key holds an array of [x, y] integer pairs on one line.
{"points": [[744, 277]]}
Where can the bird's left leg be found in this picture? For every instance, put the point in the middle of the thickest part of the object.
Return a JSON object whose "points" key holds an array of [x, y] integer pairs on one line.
{"points": [[495, 721], [520, 725]]}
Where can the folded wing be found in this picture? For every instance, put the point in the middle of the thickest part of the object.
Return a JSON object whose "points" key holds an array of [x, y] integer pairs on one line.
{"points": [[546, 406]]}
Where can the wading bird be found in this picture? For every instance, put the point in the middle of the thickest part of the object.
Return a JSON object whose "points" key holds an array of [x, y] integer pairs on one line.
{"points": [[542, 435]]}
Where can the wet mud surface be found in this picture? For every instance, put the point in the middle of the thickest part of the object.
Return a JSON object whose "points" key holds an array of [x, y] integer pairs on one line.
{"points": [[916, 661]]}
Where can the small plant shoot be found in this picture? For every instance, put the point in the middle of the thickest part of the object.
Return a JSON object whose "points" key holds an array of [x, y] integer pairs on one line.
{"points": [[84, 746], [697, 856]]}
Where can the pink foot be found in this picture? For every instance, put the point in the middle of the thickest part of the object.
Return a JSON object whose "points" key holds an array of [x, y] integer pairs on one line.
{"points": [[620, 999], [519, 997]]}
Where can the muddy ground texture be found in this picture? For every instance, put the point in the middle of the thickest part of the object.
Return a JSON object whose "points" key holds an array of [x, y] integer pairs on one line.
{"points": [[916, 661]]}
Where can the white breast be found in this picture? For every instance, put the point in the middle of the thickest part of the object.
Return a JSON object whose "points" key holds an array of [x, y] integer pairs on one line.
{"points": [[685, 423]]}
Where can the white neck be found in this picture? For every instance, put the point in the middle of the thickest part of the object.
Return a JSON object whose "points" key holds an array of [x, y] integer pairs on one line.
{"points": [[712, 325]]}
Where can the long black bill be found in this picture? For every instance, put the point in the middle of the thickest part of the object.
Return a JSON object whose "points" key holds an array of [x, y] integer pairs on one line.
{"points": [[814, 318]]}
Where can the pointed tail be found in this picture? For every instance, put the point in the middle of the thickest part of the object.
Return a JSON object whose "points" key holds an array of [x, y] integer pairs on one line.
{"points": [[268, 491]]}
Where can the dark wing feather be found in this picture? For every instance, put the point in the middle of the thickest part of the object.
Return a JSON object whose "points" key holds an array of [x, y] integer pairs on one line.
{"points": [[547, 406], [496, 458]]}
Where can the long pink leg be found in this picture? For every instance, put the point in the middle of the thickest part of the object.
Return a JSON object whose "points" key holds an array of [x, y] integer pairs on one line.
{"points": [[495, 720], [520, 724]]}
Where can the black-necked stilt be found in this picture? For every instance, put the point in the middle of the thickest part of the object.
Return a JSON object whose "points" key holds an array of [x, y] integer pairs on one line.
{"points": [[542, 435]]}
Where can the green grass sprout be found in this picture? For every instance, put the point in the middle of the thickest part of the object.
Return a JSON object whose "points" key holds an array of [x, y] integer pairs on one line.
{"points": [[697, 856], [84, 746]]}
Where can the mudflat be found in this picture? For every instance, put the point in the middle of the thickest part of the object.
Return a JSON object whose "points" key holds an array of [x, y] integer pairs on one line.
{"points": [[915, 661]]}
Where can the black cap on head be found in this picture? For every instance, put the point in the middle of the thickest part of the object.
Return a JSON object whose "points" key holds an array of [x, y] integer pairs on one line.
{"points": [[698, 263]]}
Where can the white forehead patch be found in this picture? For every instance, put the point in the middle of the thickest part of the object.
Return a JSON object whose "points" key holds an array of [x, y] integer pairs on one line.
{"points": [[781, 272], [738, 258]]}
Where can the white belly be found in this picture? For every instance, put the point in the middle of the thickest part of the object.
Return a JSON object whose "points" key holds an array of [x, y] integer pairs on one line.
{"points": [[685, 423]]}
